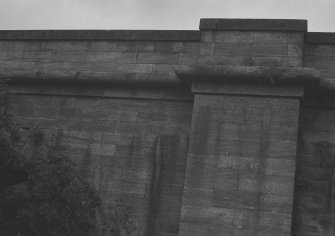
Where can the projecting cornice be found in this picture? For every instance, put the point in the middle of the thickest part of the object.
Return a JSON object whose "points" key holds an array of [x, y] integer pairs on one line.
{"points": [[91, 78], [249, 74]]}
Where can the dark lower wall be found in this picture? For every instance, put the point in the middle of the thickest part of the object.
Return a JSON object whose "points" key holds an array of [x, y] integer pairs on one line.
{"points": [[133, 150], [315, 185]]}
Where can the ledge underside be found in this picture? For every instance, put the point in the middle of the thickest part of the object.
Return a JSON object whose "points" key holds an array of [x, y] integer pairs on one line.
{"points": [[250, 74], [92, 78], [183, 75]]}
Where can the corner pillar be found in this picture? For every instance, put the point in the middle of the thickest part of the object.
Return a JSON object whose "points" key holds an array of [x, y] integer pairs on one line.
{"points": [[241, 161], [240, 170]]}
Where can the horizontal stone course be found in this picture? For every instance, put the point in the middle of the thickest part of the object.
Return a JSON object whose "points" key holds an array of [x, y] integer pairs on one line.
{"points": [[236, 219], [251, 36], [175, 35], [254, 49], [243, 200]]}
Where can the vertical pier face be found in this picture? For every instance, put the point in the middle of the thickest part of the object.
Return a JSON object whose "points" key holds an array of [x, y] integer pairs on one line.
{"points": [[247, 86]]}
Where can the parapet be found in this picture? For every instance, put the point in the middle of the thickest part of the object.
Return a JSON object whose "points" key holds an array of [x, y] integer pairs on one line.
{"points": [[151, 57]]}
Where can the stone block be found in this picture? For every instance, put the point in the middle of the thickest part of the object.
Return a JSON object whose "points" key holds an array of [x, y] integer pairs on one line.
{"points": [[269, 49], [175, 47], [163, 68], [207, 49], [188, 58], [70, 112], [46, 111], [319, 62], [139, 46], [103, 150], [207, 36], [319, 50], [280, 167], [234, 49], [272, 37], [233, 36], [295, 50], [278, 185], [192, 229], [277, 61], [131, 68], [157, 58], [232, 60]]}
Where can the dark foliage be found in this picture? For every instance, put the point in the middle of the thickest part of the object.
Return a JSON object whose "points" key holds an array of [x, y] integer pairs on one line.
{"points": [[50, 199], [53, 200]]}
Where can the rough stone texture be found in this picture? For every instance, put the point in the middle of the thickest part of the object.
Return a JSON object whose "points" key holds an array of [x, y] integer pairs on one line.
{"points": [[314, 195], [251, 48], [121, 102], [241, 165], [315, 189], [115, 143], [122, 62], [321, 56]]}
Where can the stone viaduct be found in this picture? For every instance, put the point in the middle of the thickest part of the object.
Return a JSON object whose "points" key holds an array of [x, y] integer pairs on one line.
{"points": [[229, 130]]}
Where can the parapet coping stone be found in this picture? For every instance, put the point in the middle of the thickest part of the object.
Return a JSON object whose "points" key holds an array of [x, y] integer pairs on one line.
{"points": [[131, 35], [253, 24], [320, 38]]}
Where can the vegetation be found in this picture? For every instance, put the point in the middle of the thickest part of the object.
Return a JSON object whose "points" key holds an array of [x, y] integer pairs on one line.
{"points": [[51, 199]]}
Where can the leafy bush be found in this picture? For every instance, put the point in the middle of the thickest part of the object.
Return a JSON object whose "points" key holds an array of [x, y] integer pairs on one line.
{"points": [[52, 200]]}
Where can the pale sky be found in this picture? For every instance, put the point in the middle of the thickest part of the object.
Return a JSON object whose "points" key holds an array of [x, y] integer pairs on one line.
{"points": [[157, 14]]}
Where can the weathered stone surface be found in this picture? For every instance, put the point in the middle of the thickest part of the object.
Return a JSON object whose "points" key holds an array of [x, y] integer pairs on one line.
{"points": [[126, 118], [232, 179], [314, 199], [113, 142]]}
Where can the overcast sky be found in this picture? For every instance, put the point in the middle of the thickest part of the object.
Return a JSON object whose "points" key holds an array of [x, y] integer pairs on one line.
{"points": [[157, 14]]}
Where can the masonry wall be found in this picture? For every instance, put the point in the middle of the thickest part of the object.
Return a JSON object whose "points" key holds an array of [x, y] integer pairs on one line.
{"points": [[220, 162], [116, 144], [314, 201], [120, 56], [129, 143]]}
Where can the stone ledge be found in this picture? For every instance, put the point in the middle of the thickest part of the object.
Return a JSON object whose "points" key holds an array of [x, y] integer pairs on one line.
{"points": [[254, 24], [146, 35], [93, 78], [250, 74], [104, 91], [320, 38], [248, 89]]}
